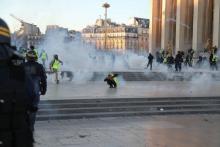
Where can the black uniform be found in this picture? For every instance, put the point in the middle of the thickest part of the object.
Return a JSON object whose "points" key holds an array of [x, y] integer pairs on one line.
{"points": [[178, 62], [14, 129], [210, 60], [170, 62], [36, 85], [150, 61]]}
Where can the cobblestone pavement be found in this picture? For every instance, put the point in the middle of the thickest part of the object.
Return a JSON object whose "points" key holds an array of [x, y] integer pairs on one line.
{"points": [[151, 131]]}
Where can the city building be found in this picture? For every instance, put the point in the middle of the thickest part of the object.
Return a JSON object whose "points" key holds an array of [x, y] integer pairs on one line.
{"points": [[27, 35], [30, 35], [119, 37], [184, 24], [34, 40], [55, 30], [140, 22]]}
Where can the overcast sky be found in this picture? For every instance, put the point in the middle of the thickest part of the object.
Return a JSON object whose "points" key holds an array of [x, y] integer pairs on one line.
{"points": [[73, 14]]}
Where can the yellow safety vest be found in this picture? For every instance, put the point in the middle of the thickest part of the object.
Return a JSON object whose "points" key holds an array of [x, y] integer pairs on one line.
{"points": [[215, 58], [165, 61], [116, 81], [56, 65], [36, 52], [44, 56]]}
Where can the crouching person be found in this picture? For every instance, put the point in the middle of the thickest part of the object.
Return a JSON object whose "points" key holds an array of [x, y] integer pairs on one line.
{"points": [[112, 80]]}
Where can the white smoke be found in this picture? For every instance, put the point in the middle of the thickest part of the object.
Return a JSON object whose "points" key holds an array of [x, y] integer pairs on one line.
{"points": [[83, 59]]}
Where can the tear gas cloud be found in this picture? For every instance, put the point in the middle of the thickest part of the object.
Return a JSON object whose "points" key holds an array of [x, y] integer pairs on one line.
{"points": [[83, 59]]}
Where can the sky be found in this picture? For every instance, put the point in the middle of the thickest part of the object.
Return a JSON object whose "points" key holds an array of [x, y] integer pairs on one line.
{"points": [[72, 14]]}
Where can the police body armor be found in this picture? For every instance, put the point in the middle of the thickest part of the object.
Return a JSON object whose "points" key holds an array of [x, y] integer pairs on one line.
{"points": [[34, 75], [14, 124]]}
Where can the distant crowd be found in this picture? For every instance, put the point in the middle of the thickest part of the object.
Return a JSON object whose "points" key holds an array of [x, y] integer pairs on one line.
{"points": [[186, 59]]}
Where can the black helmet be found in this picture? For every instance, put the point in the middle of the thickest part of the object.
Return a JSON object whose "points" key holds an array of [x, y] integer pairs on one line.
{"points": [[32, 47], [31, 56], [55, 56], [5, 36]]}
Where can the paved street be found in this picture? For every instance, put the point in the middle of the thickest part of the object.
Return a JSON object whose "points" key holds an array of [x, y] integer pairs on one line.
{"points": [[88, 90], [156, 131], [149, 131]]}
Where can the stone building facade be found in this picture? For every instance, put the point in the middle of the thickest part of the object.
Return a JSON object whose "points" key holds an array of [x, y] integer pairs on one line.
{"points": [[29, 34], [119, 37], [184, 24]]}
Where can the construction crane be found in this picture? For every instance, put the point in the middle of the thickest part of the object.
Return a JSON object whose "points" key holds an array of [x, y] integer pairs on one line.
{"points": [[18, 19]]}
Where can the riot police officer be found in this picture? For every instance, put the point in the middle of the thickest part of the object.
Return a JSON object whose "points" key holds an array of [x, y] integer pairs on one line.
{"points": [[14, 129], [36, 84]]}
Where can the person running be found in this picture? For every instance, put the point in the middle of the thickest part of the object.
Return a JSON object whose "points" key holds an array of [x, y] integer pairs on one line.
{"points": [[44, 57], [55, 66]]}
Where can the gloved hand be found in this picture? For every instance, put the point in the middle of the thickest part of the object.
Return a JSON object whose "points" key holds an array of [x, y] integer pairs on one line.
{"points": [[43, 90]]}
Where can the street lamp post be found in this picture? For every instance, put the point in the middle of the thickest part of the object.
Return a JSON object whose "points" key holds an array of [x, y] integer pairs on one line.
{"points": [[106, 6]]}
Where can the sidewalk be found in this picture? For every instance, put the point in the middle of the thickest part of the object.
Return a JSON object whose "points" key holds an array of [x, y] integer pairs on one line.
{"points": [[156, 131], [90, 90]]}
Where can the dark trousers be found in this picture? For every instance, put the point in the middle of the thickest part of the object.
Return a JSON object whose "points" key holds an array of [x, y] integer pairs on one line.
{"points": [[150, 63], [178, 67], [32, 119], [111, 83], [214, 66]]}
